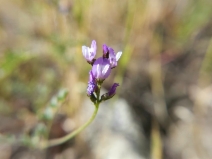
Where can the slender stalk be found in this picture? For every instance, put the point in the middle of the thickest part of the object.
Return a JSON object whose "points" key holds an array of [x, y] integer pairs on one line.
{"points": [[98, 93], [156, 143], [61, 140]]}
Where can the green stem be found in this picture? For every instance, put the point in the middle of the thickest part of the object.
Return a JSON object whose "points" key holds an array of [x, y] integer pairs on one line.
{"points": [[61, 140], [98, 93]]}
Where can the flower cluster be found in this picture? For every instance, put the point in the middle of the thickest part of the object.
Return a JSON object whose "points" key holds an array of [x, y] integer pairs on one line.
{"points": [[101, 69]]}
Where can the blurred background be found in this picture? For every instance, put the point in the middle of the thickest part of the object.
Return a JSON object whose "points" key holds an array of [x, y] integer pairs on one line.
{"points": [[163, 105]]}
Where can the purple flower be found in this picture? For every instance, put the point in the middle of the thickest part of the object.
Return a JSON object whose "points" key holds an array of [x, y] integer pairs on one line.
{"points": [[91, 84], [113, 58], [89, 53], [112, 91], [101, 69]]}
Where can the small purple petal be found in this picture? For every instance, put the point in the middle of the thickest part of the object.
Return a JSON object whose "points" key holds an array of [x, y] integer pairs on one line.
{"points": [[101, 68], [113, 58], [111, 51], [91, 77], [112, 91], [105, 50]]}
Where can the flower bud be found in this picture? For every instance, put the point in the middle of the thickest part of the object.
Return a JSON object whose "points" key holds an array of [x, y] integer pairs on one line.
{"points": [[111, 92], [105, 51], [91, 84]]}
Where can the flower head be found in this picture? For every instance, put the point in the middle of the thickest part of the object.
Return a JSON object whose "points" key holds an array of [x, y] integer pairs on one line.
{"points": [[101, 69], [89, 53]]}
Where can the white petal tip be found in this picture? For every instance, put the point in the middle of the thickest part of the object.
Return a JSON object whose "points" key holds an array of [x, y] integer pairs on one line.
{"points": [[118, 55]]}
